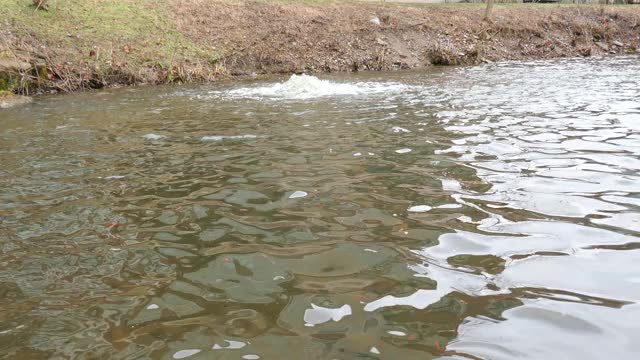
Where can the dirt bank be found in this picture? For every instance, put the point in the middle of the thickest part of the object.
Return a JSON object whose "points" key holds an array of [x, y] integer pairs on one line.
{"points": [[78, 44], [268, 38]]}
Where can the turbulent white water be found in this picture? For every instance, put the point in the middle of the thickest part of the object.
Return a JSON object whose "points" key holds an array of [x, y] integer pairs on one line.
{"points": [[304, 87]]}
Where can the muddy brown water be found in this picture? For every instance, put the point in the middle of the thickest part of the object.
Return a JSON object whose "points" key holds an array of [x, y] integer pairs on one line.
{"points": [[488, 212]]}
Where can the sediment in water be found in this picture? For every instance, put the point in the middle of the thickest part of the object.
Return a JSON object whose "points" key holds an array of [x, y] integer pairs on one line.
{"points": [[78, 44]]}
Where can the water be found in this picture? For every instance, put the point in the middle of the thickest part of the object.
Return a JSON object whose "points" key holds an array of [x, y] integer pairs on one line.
{"points": [[461, 213]]}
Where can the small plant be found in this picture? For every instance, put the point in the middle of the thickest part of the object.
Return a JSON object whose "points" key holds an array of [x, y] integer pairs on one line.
{"points": [[41, 4]]}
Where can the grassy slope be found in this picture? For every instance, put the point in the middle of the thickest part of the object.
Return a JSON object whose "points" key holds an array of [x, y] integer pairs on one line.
{"points": [[93, 43], [107, 41]]}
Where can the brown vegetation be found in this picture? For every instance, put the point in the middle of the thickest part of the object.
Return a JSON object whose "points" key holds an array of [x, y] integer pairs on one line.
{"points": [[267, 38], [41, 4]]}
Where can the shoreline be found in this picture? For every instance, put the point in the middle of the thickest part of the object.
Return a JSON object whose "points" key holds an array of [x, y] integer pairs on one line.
{"points": [[77, 45]]}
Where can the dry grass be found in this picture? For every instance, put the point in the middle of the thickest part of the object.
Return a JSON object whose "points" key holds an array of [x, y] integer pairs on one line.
{"points": [[283, 37], [40, 4]]}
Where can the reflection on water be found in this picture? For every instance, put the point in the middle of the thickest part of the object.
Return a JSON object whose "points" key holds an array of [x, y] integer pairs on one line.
{"points": [[487, 212]]}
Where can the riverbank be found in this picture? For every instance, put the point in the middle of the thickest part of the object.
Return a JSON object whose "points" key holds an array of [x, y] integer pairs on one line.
{"points": [[9, 99], [78, 44]]}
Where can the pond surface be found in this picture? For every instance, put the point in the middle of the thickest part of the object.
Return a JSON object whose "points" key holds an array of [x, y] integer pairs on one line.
{"points": [[462, 213]]}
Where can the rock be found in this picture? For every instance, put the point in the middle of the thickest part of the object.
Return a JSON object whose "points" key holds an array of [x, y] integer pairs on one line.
{"points": [[618, 44], [11, 73], [14, 66], [602, 45], [375, 20], [381, 42], [586, 51], [8, 101]]}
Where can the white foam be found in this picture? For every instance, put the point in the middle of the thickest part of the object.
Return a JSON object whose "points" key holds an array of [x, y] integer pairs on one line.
{"points": [[302, 87], [153, 136], [374, 350], [228, 137], [404, 151], [251, 357], [398, 129], [153, 307], [396, 333]]}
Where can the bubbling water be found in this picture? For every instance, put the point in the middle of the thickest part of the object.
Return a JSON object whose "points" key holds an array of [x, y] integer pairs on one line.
{"points": [[306, 87]]}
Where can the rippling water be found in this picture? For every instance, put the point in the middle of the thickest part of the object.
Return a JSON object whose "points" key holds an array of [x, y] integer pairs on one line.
{"points": [[488, 212]]}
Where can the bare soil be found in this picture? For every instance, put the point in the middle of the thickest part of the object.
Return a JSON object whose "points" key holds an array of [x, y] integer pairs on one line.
{"points": [[266, 38]]}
